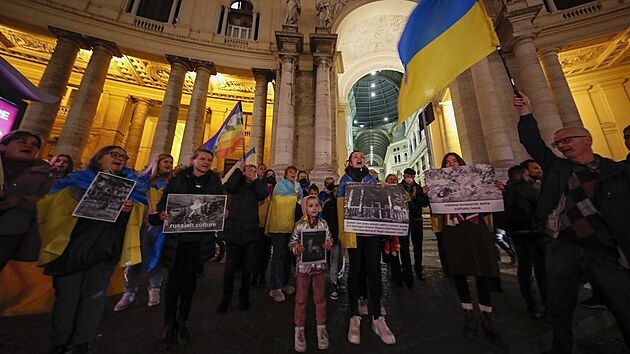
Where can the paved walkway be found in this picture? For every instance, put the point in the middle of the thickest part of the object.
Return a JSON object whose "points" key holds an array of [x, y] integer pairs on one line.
{"points": [[426, 319]]}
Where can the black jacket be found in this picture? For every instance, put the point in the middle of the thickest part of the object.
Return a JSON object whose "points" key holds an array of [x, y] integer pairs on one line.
{"points": [[417, 201], [241, 225], [613, 184], [329, 213], [520, 199], [183, 183]]}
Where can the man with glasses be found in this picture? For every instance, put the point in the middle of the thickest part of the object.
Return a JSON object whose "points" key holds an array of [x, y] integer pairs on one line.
{"points": [[584, 207]]}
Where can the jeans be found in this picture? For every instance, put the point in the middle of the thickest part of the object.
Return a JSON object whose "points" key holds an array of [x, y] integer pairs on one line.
{"points": [[281, 260], [303, 283], [530, 250], [181, 283], [132, 273], [563, 264], [415, 231], [336, 258], [368, 255], [241, 257], [79, 303]]}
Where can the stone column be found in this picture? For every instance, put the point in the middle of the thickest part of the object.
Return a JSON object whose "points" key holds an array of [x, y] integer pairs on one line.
{"points": [[289, 48], [535, 86], [134, 137], [259, 116], [451, 140], [40, 117], [77, 127], [323, 49], [559, 87], [195, 119], [492, 123], [167, 121]]}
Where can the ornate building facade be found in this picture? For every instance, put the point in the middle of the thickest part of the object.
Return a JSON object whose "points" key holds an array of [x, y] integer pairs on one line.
{"points": [[161, 76]]}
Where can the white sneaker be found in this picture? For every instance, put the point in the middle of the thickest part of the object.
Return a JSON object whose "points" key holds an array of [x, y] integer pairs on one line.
{"points": [[276, 295], [124, 301], [322, 337], [380, 328], [354, 330], [363, 306], [154, 297], [300, 341]]}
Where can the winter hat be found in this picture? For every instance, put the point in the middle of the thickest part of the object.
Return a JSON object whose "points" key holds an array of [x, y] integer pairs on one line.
{"points": [[305, 202]]}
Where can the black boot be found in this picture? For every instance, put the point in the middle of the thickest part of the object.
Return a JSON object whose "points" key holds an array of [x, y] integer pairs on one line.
{"points": [[167, 336], [83, 348], [183, 335], [470, 324], [224, 305], [488, 328]]}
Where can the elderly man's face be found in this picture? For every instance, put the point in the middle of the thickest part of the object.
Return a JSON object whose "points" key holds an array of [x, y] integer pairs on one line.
{"points": [[573, 144]]}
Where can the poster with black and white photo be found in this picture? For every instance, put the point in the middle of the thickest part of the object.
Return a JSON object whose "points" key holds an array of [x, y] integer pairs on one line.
{"points": [[194, 213], [313, 241], [464, 189], [376, 210], [104, 198]]}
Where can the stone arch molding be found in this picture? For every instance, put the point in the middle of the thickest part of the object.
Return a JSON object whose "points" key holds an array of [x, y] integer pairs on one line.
{"points": [[368, 32]]}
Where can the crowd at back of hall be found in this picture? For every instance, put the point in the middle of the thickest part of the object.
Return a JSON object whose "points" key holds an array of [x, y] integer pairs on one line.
{"points": [[575, 216]]}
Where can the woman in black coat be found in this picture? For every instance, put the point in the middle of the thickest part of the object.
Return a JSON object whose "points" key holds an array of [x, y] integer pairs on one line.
{"points": [[241, 232], [185, 252]]}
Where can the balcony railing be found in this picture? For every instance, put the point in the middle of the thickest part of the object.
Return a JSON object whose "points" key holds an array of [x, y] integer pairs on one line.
{"points": [[582, 10], [148, 25], [235, 42]]}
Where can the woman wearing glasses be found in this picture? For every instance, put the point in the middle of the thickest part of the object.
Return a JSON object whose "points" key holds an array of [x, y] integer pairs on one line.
{"points": [[81, 254]]}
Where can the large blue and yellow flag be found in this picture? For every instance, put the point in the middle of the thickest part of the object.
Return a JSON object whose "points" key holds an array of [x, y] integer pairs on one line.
{"points": [[441, 40]]}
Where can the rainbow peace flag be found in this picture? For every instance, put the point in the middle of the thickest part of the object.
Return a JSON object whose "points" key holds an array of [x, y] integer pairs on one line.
{"points": [[442, 39], [230, 136]]}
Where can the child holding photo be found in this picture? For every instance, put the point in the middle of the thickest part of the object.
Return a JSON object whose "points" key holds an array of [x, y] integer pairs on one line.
{"points": [[306, 274]]}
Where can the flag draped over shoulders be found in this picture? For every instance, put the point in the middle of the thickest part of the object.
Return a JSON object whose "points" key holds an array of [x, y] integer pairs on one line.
{"points": [[442, 39]]}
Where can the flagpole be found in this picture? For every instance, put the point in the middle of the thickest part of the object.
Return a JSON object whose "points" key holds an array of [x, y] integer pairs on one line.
{"points": [[427, 137], [507, 70]]}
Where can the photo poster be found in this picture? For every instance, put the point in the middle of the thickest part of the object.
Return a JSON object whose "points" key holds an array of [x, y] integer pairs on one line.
{"points": [[313, 241], [464, 189], [371, 209], [105, 197], [195, 213]]}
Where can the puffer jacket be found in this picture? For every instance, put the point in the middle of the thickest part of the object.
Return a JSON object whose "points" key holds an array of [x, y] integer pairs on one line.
{"points": [[301, 225]]}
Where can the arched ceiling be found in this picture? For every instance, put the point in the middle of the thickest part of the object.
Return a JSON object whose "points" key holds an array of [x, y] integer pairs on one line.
{"points": [[373, 141], [375, 98]]}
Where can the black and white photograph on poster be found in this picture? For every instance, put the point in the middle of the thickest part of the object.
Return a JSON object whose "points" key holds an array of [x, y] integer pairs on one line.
{"points": [[194, 213], [464, 189], [376, 210], [313, 241], [104, 198]]}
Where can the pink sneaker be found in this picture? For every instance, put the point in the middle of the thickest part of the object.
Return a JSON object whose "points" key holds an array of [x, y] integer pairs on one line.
{"points": [[125, 301], [380, 328], [154, 297], [354, 330]]}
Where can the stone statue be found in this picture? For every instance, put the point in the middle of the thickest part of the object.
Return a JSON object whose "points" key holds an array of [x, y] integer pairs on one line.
{"points": [[338, 6], [293, 12], [323, 13]]}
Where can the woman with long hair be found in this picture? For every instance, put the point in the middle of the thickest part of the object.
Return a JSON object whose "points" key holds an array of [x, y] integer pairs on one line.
{"points": [[364, 252], [81, 254], [158, 173], [184, 253], [62, 165], [469, 251]]}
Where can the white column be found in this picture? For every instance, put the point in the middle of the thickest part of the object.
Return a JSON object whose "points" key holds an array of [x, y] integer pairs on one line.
{"points": [[559, 87], [167, 121], [76, 130], [193, 132], [259, 116], [323, 139], [286, 115], [134, 137], [40, 117]]}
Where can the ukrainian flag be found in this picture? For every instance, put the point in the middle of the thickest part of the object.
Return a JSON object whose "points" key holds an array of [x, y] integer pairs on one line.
{"points": [[442, 39], [230, 136]]}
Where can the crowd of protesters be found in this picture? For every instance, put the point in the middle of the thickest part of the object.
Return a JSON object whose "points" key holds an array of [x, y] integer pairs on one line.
{"points": [[564, 217]]}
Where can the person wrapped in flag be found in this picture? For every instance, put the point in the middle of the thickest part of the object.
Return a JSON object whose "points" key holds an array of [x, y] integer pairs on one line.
{"points": [[81, 254]]}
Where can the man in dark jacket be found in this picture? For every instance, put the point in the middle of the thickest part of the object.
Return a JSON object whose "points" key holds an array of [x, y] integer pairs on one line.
{"points": [[584, 206], [416, 200], [521, 198], [241, 232]]}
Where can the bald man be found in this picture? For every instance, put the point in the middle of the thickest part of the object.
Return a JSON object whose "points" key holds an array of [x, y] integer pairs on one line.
{"points": [[584, 207]]}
